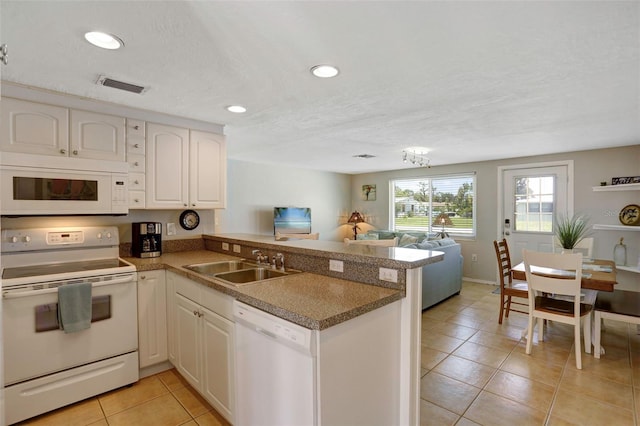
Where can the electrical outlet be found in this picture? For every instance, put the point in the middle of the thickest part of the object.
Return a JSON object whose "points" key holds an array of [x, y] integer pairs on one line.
{"points": [[474, 257], [171, 229], [236, 248], [225, 246], [390, 275], [336, 265]]}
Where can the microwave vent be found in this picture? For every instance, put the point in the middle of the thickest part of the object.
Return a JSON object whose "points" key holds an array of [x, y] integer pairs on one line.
{"points": [[109, 82]]}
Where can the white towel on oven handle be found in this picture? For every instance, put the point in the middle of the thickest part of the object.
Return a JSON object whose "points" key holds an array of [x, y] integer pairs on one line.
{"points": [[74, 307]]}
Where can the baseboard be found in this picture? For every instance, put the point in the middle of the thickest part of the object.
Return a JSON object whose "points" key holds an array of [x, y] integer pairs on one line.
{"points": [[474, 280], [155, 369]]}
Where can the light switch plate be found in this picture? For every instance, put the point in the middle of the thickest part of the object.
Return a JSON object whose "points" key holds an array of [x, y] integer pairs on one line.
{"points": [[236, 248], [390, 275], [225, 246], [171, 228]]}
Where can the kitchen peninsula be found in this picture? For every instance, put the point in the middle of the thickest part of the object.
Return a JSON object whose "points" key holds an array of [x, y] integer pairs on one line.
{"points": [[375, 370]]}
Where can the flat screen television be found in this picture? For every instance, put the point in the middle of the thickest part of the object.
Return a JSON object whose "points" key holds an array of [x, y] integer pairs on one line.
{"points": [[292, 220]]}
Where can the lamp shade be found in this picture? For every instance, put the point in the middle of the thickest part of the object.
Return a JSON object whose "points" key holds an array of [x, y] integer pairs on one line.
{"points": [[356, 217]]}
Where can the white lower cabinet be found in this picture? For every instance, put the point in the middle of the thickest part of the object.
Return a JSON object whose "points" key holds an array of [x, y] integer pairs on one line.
{"points": [[201, 341], [152, 318]]}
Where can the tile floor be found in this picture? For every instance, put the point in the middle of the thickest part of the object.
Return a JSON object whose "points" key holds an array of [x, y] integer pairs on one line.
{"points": [[162, 399], [474, 371]]}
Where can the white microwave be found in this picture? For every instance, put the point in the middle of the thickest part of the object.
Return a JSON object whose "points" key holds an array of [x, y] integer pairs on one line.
{"points": [[33, 185]]}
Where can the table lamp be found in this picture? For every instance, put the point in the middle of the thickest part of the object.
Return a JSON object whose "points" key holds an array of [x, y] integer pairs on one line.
{"points": [[355, 218]]}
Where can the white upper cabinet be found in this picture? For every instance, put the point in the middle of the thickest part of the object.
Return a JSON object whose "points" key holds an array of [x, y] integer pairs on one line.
{"points": [[97, 136], [185, 169], [34, 128], [207, 170]]}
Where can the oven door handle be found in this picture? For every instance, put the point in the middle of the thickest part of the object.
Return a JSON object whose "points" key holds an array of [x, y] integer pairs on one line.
{"points": [[11, 294]]}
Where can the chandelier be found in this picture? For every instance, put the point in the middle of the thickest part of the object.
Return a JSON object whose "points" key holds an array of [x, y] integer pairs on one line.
{"points": [[415, 158]]}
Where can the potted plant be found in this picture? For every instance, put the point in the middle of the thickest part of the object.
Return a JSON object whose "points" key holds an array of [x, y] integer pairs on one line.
{"points": [[571, 230]]}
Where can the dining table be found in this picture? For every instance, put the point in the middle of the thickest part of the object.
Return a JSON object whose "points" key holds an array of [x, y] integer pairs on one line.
{"points": [[597, 274]]}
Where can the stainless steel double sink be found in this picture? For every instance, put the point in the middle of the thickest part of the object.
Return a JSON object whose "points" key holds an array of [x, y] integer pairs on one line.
{"points": [[239, 272]]}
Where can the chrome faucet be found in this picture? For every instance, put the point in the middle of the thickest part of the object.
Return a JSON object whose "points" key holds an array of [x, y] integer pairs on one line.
{"points": [[260, 257], [278, 259]]}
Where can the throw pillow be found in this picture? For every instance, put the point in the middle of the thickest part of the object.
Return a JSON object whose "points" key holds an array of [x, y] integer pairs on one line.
{"points": [[407, 239]]}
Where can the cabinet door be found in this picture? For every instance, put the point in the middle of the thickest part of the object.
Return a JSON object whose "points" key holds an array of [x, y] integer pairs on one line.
{"points": [[34, 128], [218, 368], [207, 170], [97, 136], [152, 318], [167, 164], [188, 340]]}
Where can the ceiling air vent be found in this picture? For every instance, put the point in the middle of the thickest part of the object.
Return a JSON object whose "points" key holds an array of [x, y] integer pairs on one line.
{"points": [[109, 82]]}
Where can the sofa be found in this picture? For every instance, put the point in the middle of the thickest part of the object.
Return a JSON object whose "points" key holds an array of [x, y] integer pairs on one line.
{"points": [[440, 280]]}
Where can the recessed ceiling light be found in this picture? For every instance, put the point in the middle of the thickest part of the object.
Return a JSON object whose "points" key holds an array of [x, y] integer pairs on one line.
{"points": [[324, 71], [238, 109], [104, 40]]}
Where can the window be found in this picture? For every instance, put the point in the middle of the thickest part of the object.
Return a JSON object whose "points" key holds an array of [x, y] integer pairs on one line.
{"points": [[534, 203], [430, 204]]}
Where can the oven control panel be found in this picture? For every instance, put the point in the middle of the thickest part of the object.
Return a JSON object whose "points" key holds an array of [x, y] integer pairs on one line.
{"points": [[18, 240]]}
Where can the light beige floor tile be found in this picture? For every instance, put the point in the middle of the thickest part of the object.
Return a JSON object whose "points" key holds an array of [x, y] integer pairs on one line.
{"points": [[79, 414], [144, 390], [586, 383], [613, 365], [558, 421], [589, 411], [520, 389], [211, 418], [192, 401], [490, 357], [102, 422], [454, 330], [440, 342], [490, 409], [531, 368], [636, 392], [466, 321], [431, 414], [164, 410], [466, 422], [497, 341], [172, 379], [545, 352], [430, 358], [447, 393], [466, 371], [189, 423]]}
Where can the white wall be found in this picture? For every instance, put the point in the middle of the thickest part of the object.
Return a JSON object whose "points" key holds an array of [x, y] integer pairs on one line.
{"points": [[255, 189], [590, 168]]}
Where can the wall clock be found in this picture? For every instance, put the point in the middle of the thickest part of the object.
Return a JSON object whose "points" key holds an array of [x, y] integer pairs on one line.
{"points": [[630, 215], [189, 220]]}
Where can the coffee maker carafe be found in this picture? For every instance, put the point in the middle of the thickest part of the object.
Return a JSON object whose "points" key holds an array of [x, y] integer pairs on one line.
{"points": [[146, 239]]}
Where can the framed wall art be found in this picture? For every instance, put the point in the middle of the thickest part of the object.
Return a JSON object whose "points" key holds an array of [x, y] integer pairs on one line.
{"points": [[369, 192]]}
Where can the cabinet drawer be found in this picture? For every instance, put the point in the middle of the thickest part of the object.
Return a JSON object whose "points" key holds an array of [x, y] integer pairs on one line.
{"points": [[136, 163], [136, 199], [220, 303], [136, 181], [135, 128], [188, 288], [135, 145]]}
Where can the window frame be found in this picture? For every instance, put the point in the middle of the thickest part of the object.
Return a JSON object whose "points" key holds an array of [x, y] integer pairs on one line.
{"points": [[432, 227]]}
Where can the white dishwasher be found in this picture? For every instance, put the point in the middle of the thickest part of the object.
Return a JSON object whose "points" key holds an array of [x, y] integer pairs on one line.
{"points": [[276, 370]]}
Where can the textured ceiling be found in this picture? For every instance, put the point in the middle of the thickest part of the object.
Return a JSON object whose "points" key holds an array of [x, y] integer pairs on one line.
{"points": [[469, 81]]}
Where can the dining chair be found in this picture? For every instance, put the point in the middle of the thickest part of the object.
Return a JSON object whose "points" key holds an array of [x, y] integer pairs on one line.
{"points": [[508, 287], [313, 236], [558, 298], [617, 305], [584, 246]]}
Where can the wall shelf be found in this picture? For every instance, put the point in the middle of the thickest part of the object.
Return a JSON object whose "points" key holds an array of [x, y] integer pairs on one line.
{"points": [[616, 227], [628, 269], [625, 187]]}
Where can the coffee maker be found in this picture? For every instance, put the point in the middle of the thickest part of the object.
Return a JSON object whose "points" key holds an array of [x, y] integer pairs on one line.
{"points": [[146, 239]]}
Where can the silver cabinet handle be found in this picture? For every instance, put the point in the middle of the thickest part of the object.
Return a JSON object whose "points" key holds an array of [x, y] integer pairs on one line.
{"points": [[63, 151], [136, 145], [136, 127], [136, 164], [75, 152]]}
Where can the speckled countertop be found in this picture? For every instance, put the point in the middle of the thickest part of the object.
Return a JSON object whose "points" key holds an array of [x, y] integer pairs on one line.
{"points": [[312, 300]]}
